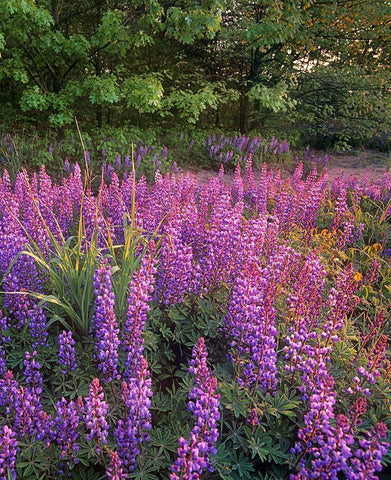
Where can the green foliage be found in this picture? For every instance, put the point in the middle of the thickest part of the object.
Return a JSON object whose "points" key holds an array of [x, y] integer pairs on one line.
{"points": [[276, 66], [144, 93], [342, 106], [72, 57]]}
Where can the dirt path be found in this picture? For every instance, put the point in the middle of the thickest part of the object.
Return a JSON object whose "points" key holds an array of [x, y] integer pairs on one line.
{"points": [[357, 165]]}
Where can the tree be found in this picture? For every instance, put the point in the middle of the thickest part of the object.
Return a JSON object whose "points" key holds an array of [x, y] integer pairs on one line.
{"points": [[271, 52], [72, 57], [235, 65]]}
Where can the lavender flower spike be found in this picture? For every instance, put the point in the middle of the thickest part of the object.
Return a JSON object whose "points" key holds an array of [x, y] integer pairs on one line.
{"points": [[67, 353], [8, 448], [133, 430], [115, 470], [193, 455], [105, 324], [96, 409]]}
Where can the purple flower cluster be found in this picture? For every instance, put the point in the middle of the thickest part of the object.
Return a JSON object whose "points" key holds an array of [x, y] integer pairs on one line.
{"points": [[105, 325], [115, 470], [370, 373], [133, 430], [140, 293], [194, 455], [223, 149], [95, 415], [9, 392], [8, 450], [178, 273], [367, 458], [30, 419], [66, 424], [67, 353], [250, 324]]}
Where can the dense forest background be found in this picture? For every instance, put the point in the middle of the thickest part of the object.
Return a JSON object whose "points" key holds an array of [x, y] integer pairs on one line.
{"points": [[313, 72]]}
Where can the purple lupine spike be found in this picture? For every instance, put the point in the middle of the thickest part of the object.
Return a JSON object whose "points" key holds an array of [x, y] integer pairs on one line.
{"points": [[95, 415], [105, 325], [66, 423], [37, 325], [67, 353], [221, 242], [237, 186], [9, 392], [115, 470], [32, 374], [178, 273], [371, 372], [30, 398], [367, 458], [67, 166], [30, 419], [250, 320], [194, 455], [8, 451], [341, 301], [140, 293], [317, 439], [133, 430]]}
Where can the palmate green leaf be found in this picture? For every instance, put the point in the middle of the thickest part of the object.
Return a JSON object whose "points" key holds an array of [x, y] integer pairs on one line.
{"points": [[144, 93], [165, 440], [276, 455], [82, 473], [235, 433], [241, 466], [146, 472], [282, 404], [161, 402], [235, 399], [259, 445]]}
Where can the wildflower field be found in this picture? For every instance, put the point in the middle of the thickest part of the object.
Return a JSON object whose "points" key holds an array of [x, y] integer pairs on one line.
{"points": [[177, 330]]}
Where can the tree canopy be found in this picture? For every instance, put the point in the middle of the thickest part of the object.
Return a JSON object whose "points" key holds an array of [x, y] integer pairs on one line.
{"points": [[234, 64]]}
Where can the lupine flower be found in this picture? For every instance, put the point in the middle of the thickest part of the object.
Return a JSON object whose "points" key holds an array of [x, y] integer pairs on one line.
{"points": [[66, 424], [105, 325], [8, 450], [253, 420], [367, 458], [178, 273], [32, 374], [67, 353], [37, 325], [140, 293], [95, 410], [376, 359], [194, 455], [115, 470], [222, 238], [133, 430], [30, 419], [9, 392], [317, 438]]}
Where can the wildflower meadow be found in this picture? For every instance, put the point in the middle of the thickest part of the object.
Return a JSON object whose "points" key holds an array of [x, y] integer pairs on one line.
{"points": [[175, 329]]}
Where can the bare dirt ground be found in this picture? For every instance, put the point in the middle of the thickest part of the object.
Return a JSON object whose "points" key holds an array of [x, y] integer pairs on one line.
{"points": [[376, 163]]}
